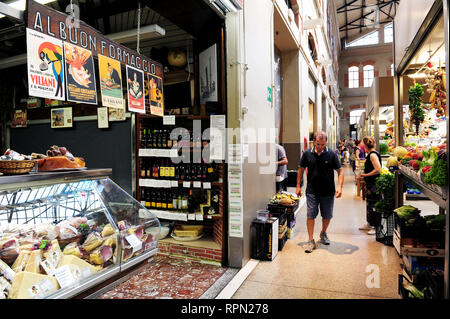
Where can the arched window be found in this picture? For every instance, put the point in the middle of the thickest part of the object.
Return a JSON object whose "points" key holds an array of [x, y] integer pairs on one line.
{"points": [[353, 77], [368, 75]]}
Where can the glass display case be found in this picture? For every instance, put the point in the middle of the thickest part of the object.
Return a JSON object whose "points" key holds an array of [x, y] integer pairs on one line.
{"points": [[63, 233]]}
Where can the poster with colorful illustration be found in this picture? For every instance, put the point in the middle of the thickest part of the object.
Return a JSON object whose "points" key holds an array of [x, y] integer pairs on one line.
{"points": [[61, 117], [135, 89], [110, 82], [156, 95], [45, 63], [80, 74], [19, 119]]}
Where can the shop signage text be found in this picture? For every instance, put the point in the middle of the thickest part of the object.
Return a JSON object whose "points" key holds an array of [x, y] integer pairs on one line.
{"points": [[53, 23]]}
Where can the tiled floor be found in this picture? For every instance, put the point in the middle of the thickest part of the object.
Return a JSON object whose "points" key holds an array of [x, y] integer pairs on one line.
{"points": [[353, 266], [168, 278]]}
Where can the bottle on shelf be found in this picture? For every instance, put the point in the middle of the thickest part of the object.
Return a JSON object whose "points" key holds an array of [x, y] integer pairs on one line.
{"points": [[204, 171], [158, 139], [163, 199], [170, 200], [191, 206], [149, 142], [181, 172], [154, 139], [153, 198], [148, 169], [143, 138], [179, 200], [184, 202], [143, 168], [158, 199], [143, 196], [164, 139], [169, 140], [199, 170]]}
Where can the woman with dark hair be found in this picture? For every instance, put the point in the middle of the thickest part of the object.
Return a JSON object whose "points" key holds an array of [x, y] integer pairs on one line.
{"points": [[372, 169]]}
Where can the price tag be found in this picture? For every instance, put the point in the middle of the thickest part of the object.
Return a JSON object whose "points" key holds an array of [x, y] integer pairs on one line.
{"points": [[174, 183], [134, 242], [199, 216], [64, 276], [197, 184], [169, 120], [187, 184], [191, 216], [206, 185]]}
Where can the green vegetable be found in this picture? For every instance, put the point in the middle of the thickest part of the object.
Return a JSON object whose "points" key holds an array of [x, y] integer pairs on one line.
{"points": [[44, 244], [435, 221], [384, 148], [407, 212], [429, 157], [414, 292], [438, 174]]}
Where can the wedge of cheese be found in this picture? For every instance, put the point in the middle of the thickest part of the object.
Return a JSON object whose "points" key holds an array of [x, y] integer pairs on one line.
{"points": [[79, 268], [53, 254], [34, 262], [28, 285], [21, 261]]}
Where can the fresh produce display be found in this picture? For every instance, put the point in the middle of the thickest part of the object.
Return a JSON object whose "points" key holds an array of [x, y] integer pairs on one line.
{"points": [[284, 198], [384, 148], [438, 174], [392, 161]]}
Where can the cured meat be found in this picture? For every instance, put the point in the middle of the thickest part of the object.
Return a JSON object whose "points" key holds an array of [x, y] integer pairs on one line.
{"points": [[73, 249], [9, 250], [101, 255], [57, 162], [92, 241]]}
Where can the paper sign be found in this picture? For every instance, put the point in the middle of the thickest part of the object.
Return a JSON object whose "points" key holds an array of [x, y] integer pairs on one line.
{"points": [[197, 184], [199, 216], [169, 120], [174, 183], [187, 184], [134, 242], [191, 216], [206, 185], [64, 276], [102, 116]]}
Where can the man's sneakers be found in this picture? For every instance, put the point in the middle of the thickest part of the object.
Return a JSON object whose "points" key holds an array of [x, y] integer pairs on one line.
{"points": [[324, 239], [365, 227], [310, 246]]}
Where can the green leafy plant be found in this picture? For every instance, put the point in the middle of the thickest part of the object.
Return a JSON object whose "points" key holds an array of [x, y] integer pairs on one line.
{"points": [[384, 148], [438, 174], [415, 105], [385, 185]]}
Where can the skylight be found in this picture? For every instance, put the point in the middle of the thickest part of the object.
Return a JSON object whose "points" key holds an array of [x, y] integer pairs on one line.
{"points": [[371, 38]]}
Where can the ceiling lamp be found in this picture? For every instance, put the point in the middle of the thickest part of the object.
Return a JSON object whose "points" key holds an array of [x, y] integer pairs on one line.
{"points": [[146, 32]]}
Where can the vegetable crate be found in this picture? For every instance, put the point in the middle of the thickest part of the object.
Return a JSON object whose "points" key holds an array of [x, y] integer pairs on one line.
{"points": [[410, 247]]}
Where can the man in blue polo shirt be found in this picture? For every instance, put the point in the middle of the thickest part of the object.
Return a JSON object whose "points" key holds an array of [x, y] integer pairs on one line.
{"points": [[320, 190]]}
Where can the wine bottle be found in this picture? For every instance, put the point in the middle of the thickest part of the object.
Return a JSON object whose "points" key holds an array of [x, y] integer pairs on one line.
{"points": [[204, 171], [143, 196], [149, 142], [181, 172], [153, 198], [154, 139], [199, 170], [143, 170], [143, 138], [191, 204], [163, 199], [164, 139], [174, 199], [158, 139], [169, 140], [184, 202], [158, 199], [148, 169]]}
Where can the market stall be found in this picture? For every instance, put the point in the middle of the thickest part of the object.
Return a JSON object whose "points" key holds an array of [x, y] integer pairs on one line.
{"points": [[421, 138]]}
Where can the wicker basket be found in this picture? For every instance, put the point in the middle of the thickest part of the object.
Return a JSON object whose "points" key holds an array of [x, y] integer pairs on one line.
{"points": [[16, 167]]}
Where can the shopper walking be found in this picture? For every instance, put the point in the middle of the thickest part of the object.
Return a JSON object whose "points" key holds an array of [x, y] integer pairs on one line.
{"points": [[372, 169], [320, 163], [281, 174]]}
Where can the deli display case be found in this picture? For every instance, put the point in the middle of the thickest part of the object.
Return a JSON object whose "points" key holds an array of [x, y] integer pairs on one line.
{"points": [[62, 233]]}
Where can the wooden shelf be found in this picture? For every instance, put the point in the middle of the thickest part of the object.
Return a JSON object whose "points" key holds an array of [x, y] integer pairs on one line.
{"points": [[204, 242]]}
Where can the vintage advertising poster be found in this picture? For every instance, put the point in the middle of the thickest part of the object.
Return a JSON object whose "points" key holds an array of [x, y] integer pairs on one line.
{"points": [[110, 81], [135, 89], [19, 119], [80, 74], [45, 61], [61, 117], [102, 116], [208, 75], [116, 114], [155, 88]]}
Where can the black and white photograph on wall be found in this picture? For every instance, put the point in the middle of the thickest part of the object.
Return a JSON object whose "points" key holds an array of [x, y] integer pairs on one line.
{"points": [[208, 75]]}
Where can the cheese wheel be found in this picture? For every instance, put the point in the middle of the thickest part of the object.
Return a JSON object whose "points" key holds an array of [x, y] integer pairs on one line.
{"points": [[28, 285]]}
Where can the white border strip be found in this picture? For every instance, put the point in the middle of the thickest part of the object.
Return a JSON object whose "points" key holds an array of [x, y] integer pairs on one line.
{"points": [[237, 281]]}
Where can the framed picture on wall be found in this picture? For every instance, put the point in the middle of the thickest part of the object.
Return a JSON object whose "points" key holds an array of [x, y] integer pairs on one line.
{"points": [[61, 117], [208, 75]]}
